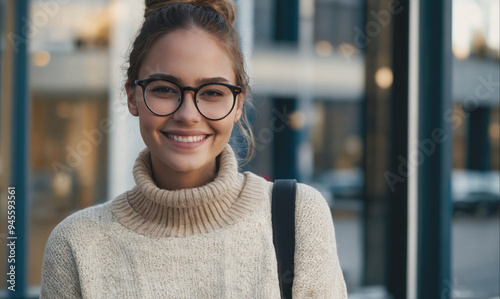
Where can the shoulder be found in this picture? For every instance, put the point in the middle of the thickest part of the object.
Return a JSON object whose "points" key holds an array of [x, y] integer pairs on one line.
{"points": [[308, 199], [89, 217], [309, 202], [66, 243], [258, 183], [309, 195], [310, 205], [83, 224], [312, 213]]}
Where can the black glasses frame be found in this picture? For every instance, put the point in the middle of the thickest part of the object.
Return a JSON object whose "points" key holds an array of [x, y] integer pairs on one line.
{"points": [[236, 90]]}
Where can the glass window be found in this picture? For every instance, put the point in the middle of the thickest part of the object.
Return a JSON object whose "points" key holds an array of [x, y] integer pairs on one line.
{"points": [[338, 173], [69, 82], [476, 150]]}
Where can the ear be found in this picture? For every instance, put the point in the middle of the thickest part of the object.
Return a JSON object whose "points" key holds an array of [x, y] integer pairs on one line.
{"points": [[239, 106], [131, 98]]}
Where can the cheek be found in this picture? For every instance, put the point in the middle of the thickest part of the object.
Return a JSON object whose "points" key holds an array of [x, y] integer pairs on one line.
{"points": [[149, 123], [145, 127], [139, 100], [224, 127], [147, 119]]}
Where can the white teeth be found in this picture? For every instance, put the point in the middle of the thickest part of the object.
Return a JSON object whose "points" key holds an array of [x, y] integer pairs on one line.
{"points": [[186, 138]]}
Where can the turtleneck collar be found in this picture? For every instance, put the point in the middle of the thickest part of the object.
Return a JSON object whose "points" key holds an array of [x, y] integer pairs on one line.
{"points": [[156, 212], [225, 181]]}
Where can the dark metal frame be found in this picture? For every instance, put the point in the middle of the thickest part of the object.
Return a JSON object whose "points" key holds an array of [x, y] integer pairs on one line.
{"points": [[434, 173]]}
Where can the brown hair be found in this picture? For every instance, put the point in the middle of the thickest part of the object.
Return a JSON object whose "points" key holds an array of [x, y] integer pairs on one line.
{"points": [[215, 17]]}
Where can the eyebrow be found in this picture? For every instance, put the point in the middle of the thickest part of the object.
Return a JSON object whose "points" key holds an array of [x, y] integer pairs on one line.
{"points": [[198, 81]]}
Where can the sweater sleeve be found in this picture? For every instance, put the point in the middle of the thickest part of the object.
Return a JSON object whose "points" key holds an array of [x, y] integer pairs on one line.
{"points": [[317, 269], [59, 272]]}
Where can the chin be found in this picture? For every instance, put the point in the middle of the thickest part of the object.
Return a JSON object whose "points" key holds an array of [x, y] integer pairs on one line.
{"points": [[183, 164]]}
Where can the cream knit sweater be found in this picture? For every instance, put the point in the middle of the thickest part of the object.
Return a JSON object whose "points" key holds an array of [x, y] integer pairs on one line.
{"points": [[214, 241]]}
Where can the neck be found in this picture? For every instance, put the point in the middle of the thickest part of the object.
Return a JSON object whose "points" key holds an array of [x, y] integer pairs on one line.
{"points": [[169, 179]]}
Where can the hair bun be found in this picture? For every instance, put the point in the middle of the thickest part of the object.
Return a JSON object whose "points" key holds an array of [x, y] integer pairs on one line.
{"points": [[225, 8]]}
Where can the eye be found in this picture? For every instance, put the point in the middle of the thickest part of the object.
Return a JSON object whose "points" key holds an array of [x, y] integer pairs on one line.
{"points": [[212, 93], [163, 89]]}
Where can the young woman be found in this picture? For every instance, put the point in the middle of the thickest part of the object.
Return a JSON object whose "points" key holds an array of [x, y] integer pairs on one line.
{"points": [[193, 226]]}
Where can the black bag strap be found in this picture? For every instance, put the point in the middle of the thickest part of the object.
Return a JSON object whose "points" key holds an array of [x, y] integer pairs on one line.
{"points": [[283, 218]]}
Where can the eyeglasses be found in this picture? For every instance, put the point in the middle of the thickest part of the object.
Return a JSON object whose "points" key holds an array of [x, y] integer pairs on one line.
{"points": [[214, 101]]}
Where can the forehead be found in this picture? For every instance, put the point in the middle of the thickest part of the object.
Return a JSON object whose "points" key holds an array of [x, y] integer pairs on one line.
{"points": [[188, 55]]}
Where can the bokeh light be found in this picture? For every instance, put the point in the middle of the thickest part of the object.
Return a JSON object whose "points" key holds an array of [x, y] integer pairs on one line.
{"points": [[41, 58], [383, 77], [324, 48]]}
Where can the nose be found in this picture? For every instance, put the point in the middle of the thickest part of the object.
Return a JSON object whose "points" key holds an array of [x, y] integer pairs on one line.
{"points": [[187, 113]]}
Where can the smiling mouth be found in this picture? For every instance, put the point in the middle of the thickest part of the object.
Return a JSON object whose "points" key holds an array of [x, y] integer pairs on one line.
{"points": [[186, 139]]}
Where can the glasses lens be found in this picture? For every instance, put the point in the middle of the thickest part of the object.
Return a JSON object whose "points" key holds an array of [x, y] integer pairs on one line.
{"points": [[215, 101], [163, 97]]}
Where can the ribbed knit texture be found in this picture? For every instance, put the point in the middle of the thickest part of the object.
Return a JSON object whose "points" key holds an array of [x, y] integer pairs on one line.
{"points": [[156, 212], [214, 241]]}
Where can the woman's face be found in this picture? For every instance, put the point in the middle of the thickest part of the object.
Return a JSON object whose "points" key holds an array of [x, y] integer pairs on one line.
{"points": [[190, 57]]}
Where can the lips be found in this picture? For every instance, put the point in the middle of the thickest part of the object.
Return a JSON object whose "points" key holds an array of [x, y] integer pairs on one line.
{"points": [[186, 139]]}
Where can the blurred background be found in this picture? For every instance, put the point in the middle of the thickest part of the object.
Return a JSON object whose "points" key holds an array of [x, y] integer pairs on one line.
{"points": [[330, 88]]}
